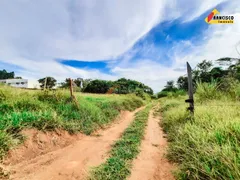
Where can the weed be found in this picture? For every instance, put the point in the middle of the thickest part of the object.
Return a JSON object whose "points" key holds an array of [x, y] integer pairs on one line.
{"points": [[118, 165], [207, 147]]}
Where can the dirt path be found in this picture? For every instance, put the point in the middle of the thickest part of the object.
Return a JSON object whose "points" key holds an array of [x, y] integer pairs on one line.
{"points": [[151, 163], [73, 162]]}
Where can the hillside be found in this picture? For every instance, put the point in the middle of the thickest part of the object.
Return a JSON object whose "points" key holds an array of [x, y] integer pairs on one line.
{"points": [[49, 110]]}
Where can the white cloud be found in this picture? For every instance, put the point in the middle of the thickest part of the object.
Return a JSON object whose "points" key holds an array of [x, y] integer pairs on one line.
{"points": [[218, 41], [87, 29], [34, 33], [149, 72]]}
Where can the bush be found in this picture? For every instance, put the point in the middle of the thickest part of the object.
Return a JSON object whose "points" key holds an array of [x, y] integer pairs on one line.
{"points": [[207, 91], [140, 93], [162, 94]]}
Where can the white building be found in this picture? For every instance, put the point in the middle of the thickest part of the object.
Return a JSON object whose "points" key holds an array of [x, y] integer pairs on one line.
{"points": [[21, 83]]}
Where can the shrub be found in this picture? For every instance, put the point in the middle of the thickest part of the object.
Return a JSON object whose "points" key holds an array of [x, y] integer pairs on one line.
{"points": [[207, 91]]}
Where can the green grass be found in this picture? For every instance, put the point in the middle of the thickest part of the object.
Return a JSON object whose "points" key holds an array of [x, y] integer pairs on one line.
{"points": [[20, 109], [208, 146], [118, 165]]}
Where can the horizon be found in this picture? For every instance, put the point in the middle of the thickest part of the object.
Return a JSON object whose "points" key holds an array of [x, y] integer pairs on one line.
{"points": [[147, 41]]}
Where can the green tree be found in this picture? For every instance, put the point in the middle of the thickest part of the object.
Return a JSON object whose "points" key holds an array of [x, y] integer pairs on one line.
{"points": [[50, 82], [182, 83], [170, 87], [80, 83], [6, 75], [202, 71], [125, 86], [98, 86]]}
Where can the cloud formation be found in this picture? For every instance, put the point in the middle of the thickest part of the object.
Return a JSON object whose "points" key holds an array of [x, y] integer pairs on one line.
{"points": [[34, 34]]}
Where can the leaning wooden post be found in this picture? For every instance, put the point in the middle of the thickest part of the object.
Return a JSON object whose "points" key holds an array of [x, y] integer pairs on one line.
{"points": [[71, 87], [190, 89]]}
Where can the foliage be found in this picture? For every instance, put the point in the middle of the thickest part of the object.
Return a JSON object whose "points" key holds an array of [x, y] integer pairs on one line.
{"points": [[125, 86], [118, 165], [140, 93], [50, 82], [98, 86], [170, 87], [205, 72], [120, 86], [79, 82], [182, 83], [206, 146], [6, 75], [48, 110], [207, 91]]}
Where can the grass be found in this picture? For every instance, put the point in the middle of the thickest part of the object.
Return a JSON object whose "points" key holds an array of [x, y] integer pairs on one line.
{"points": [[20, 109], [208, 146], [118, 165]]}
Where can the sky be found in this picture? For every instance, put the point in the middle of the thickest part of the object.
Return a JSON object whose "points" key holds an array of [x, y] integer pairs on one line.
{"points": [[145, 40]]}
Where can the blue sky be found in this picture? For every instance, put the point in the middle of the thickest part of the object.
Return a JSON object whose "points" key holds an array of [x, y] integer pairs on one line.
{"points": [[146, 40]]}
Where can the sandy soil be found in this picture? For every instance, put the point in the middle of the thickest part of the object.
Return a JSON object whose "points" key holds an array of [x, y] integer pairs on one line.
{"points": [[151, 162], [39, 143], [71, 162]]}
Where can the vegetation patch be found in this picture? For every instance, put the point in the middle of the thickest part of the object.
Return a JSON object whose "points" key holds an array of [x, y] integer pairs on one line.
{"points": [[48, 110], [208, 145], [118, 165]]}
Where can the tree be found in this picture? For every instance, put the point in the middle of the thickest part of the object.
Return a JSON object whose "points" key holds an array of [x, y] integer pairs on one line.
{"points": [[182, 83], [169, 87], [18, 77], [217, 73], [80, 83], [98, 86], [50, 82], [125, 86], [201, 73], [6, 75]]}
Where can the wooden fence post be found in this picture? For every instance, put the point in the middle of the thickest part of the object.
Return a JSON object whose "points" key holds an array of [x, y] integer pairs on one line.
{"points": [[73, 98], [190, 89], [71, 87]]}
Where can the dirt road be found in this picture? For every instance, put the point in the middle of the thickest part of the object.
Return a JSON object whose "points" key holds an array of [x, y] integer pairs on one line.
{"points": [[74, 161], [151, 163]]}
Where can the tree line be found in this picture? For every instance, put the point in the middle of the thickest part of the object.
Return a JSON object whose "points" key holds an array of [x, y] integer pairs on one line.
{"points": [[224, 71], [120, 86], [8, 75]]}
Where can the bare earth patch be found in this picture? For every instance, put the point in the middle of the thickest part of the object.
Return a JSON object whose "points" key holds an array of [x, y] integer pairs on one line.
{"points": [[68, 163], [151, 163]]}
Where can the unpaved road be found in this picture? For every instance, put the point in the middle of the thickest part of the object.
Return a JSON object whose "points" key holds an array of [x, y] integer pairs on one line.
{"points": [[151, 163], [72, 162]]}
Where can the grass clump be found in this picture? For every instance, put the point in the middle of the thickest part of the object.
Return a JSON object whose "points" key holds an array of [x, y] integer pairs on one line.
{"points": [[207, 91], [208, 146], [118, 165], [48, 110]]}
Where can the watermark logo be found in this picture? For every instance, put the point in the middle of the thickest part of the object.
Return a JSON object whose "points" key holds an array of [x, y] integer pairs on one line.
{"points": [[215, 18]]}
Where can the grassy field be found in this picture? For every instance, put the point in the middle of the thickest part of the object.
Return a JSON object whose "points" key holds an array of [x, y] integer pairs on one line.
{"points": [[21, 109], [118, 165], [208, 145]]}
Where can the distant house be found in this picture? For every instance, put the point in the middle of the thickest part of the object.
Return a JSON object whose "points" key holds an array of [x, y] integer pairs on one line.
{"points": [[21, 83]]}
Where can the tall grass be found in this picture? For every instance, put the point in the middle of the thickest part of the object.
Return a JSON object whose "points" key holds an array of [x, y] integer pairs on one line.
{"points": [[47, 110], [208, 146], [207, 91]]}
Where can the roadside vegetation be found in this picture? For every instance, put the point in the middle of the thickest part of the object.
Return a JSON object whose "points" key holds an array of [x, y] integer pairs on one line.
{"points": [[118, 165], [48, 110], [206, 146]]}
